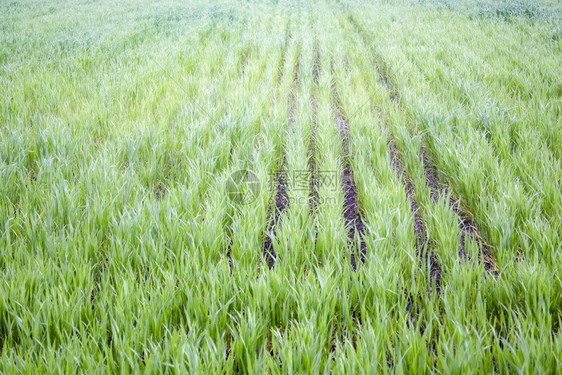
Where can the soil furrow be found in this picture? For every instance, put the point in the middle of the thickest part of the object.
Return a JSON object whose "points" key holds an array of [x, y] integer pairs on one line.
{"points": [[467, 228], [228, 253], [281, 66], [422, 242], [244, 61], [352, 212], [268, 249], [314, 197], [424, 254], [291, 102], [282, 202], [384, 76], [275, 212], [466, 225], [97, 286]]}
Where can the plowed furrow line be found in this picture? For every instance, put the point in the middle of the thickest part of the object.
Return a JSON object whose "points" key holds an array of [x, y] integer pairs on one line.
{"points": [[466, 226], [314, 198], [423, 252], [352, 212], [244, 62], [96, 289], [281, 66], [277, 78], [282, 201], [382, 68], [275, 212]]}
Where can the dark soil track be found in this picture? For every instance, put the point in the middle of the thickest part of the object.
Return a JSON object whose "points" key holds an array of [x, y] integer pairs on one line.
{"points": [[97, 286], [228, 253], [423, 252], [282, 202], [283, 55], [314, 198], [352, 212], [244, 61], [467, 227], [275, 212], [384, 76]]}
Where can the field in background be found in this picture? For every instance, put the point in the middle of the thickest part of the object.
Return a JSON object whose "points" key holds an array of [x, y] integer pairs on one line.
{"points": [[408, 215]]}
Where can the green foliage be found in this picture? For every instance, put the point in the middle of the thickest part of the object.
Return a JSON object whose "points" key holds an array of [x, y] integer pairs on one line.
{"points": [[121, 123]]}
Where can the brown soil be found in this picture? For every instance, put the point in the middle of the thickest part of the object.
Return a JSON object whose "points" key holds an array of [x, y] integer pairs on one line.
{"points": [[281, 204], [424, 254], [160, 190], [283, 55], [97, 283], [291, 100], [228, 254], [352, 212], [314, 198], [384, 76], [244, 62], [466, 225], [282, 201]]}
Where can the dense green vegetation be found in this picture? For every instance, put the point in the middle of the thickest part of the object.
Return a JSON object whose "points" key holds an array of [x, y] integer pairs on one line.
{"points": [[122, 251]]}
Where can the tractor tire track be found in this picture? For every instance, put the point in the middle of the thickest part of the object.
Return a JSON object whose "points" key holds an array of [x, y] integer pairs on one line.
{"points": [[244, 61], [96, 289], [423, 251], [426, 258], [281, 65], [424, 254], [352, 211], [282, 201], [314, 197], [243, 69], [466, 225], [384, 76]]}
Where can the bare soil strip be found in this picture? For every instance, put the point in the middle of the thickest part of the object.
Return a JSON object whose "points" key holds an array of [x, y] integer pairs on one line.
{"points": [[425, 256], [244, 61], [291, 101], [352, 211], [283, 55], [275, 212], [423, 249], [244, 64], [382, 68], [97, 286], [281, 196], [314, 198], [228, 253], [467, 227], [423, 252]]}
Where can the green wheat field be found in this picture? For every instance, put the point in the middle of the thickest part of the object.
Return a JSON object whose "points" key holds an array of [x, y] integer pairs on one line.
{"points": [[281, 187]]}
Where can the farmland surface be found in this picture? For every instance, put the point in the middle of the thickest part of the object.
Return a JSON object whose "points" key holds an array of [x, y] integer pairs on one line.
{"points": [[278, 187]]}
